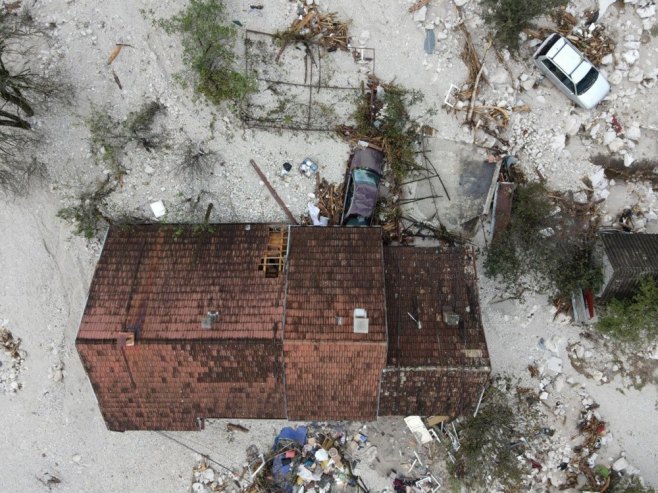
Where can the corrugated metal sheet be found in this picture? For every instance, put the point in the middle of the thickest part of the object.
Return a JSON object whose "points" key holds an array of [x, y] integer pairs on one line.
{"points": [[630, 257]]}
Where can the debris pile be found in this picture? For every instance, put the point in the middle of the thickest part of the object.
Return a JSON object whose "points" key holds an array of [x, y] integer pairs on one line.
{"points": [[592, 39], [330, 199], [308, 459], [12, 361], [318, 27]]}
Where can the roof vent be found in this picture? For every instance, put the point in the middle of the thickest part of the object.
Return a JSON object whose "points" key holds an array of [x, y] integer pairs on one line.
{"points": [[209, 320], [449, 316], [360, 321]]}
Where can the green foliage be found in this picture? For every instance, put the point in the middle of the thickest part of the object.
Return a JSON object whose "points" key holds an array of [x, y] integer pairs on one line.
{"points": [[389, 120], [86, 213], [485, 451], [557, 262], [109, 137], [507, 18], [208, 43], [632, 319]]}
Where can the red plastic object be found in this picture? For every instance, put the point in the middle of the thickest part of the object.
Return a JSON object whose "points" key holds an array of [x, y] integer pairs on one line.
{"points": [[616, 125]]}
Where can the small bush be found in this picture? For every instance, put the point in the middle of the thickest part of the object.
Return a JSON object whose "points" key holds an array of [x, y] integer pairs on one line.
{"points": [[208, 49], [196, 161], [507, 18], [86, 213], [388, 120], [109, 137], [630, 320]]}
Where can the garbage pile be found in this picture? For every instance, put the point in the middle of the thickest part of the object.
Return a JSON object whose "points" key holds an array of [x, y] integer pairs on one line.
{"points": [[12, 360], [307, 459]]}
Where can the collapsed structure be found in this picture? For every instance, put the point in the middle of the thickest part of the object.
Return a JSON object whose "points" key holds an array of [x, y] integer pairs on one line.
{"points": [[268, 321]]}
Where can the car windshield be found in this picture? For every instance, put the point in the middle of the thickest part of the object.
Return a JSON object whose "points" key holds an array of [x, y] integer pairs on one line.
{"points": [[560, 75], [366, 176], [587, 81]]}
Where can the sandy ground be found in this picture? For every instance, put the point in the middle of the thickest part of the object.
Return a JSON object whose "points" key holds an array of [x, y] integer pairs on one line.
{"points": [[52, 428]]}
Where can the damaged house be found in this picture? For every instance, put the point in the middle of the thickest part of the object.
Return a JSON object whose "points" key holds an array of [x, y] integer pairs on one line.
{"points": [[267, 321]]}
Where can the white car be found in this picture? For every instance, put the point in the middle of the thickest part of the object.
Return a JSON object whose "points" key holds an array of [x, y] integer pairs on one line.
{"points": [[570, 71]]}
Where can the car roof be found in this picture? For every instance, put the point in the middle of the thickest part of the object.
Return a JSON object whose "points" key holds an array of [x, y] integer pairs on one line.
{"points": [[368, 158], [565, 56]]}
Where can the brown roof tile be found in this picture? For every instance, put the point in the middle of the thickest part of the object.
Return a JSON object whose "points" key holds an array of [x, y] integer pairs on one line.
{"points": [[161, 284], [332, 271], [419, 283]]}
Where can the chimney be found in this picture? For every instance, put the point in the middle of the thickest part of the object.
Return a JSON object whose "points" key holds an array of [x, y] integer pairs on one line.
{"points": [[449, 316], [360, 321], [209, 320]]}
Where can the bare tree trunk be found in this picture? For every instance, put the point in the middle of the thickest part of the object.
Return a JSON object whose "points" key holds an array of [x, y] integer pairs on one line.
{"points": [[13, 121]]}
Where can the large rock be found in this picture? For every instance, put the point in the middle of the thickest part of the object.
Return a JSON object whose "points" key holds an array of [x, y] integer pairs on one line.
{"points": [[631, 56], [616, 145], [620, 464], [645, 12], [572, 125], [635, 74], [420, 14], [615, 78], [633, 132]]}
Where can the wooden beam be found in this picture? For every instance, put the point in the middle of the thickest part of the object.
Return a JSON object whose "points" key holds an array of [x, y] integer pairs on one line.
{"points": [[273, 193]]}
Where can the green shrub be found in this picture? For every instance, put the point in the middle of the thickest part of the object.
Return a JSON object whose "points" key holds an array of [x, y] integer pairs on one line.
{"points": [[557, 263], [507, 18], [389, 120], [634, 318], [109, 137], [485, 451], [208, 50], [86, 213]]}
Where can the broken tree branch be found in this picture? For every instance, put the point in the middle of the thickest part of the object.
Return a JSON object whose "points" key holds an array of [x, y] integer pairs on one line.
{"points": [[469, 116]]}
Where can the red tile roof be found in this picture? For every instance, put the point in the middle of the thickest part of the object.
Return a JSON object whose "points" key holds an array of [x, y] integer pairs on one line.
{"points": [[161, 281], [333, 379], [332, 271], [419, 283]]}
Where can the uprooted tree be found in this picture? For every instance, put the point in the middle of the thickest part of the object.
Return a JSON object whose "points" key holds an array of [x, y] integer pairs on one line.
{"points": [[22, 93], [208, 43], [549, 245], [507, 18]]}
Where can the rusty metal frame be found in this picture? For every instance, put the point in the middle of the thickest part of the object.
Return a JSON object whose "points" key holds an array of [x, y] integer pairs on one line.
{"points": [[268, 123]]}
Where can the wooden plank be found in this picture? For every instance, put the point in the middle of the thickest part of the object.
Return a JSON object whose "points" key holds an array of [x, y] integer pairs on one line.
{"points": [[273, 193]]}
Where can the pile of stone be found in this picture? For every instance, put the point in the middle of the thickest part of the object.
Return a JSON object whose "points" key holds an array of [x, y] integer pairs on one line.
{"points": [[12, 360], [206, 479]]}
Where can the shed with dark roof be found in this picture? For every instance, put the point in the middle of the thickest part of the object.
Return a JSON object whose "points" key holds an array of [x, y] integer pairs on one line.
{"points": [[266, 321]]}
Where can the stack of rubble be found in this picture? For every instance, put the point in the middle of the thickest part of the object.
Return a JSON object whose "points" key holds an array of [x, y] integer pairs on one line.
{"points": [[308, 459], [12, 360], [206, 479]]}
